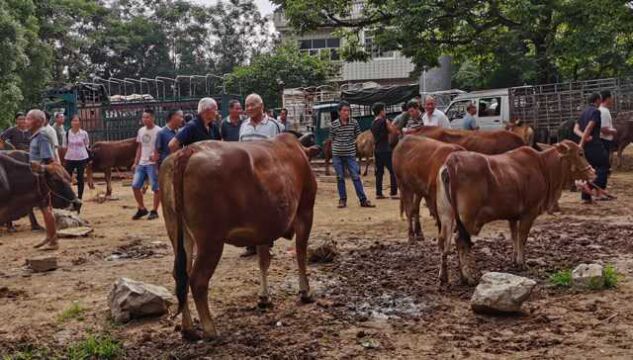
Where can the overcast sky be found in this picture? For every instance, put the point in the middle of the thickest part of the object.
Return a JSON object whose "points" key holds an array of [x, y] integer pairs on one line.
{"points": [[265, 6]]}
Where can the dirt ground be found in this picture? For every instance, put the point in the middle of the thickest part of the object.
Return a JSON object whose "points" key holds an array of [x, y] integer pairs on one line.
{"points": [[379, 299]]}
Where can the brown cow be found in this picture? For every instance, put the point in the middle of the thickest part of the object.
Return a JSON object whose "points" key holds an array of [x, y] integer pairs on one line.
{"points": [[522, 129], [624, 125], [108, 155], [253, 193], [484, 142], [416, 161], [475, 189], [365, 148]]}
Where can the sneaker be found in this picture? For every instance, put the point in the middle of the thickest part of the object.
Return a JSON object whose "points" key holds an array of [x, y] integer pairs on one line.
{"points": [[139, 214], [367, 204], [380, 197], [342, 204], [152, 215]]}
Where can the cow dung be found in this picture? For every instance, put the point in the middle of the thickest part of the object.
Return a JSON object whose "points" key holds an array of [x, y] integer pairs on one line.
{"points": [[323, 252]]}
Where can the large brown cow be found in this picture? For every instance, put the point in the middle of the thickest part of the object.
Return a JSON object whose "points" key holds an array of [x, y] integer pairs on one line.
{"points": [[21, 190], [624, 125], [108, 155], [253, 193], [475, 189], [484, 142], [416, 161]]}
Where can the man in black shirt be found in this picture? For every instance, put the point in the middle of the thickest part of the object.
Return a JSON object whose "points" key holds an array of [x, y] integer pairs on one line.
{"points": [[202, 127], [595, 152], [381, 128]]}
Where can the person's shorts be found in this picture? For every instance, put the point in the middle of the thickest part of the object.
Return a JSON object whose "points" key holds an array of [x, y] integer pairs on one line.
{"points": [[144, 172]]}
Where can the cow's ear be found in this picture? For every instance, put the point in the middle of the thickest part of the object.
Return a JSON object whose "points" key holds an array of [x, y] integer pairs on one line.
{"points": [[543, 146], [562, 148]]}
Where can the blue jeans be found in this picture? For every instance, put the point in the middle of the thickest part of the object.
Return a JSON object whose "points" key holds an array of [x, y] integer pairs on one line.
{"points": [[145, 171], [349, 162]]}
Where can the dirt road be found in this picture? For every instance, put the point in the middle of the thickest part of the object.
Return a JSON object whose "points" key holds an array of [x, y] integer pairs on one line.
{"points": [[378, 299]]}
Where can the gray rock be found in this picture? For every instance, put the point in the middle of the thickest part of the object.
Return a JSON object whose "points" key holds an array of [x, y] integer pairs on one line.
{"points": [[42, 263], [133, 299], [67, 219], [501, 293], [588, 276]]}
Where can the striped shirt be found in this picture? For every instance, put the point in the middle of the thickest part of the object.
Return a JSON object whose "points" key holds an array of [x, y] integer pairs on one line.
{"points": [[265, 129], [344, 137]]}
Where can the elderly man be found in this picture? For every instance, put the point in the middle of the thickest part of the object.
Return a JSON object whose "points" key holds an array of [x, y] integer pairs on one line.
{"points": [[60, 131], [201, 128], [433, 116], [230, 127], [470, 122], [259, 126], [41, 152], [19, 135]]}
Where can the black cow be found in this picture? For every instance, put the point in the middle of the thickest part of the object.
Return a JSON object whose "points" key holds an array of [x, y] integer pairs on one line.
{"points": [[21, 190]]}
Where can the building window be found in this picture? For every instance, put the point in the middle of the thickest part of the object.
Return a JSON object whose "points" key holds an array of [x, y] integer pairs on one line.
{"points": [[375, 50], [317, 47]]}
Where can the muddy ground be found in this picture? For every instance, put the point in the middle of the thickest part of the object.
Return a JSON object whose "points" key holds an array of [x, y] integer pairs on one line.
{"points": [[378, 299]]}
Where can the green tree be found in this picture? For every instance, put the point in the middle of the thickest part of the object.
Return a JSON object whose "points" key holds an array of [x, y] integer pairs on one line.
{"points": [[285, 67], [556, 39]]}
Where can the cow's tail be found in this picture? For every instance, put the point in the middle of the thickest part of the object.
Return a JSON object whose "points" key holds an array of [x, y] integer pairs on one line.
{"points": [[180, 261], [448, 172]]}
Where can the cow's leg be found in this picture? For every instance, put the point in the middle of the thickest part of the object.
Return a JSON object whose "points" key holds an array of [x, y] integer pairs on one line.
{"points": [[263, 253], [464, 244], [203, 267], [419, 235], [327, 165], [446, 220], [33, 220], [10, 227], [108, 179], [303, 226], [406, 202], [515, 238], [524, 229], [89, 175], [620, 151], [366, 165]]}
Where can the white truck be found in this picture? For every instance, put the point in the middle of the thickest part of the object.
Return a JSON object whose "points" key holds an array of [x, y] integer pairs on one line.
{"points": [[544, 107]]}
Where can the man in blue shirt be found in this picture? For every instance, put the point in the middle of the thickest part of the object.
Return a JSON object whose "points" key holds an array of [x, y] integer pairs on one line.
{"points": [[470, 123], [41, 151], [590, 124], [174, 122], [201, 128]]}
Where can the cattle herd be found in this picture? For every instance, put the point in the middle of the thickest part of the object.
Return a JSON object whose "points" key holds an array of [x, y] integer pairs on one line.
{"points": [[467, 180]]}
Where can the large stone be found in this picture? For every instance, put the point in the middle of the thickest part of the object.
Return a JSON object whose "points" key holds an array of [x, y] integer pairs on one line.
{"points": [[323, 252], [134, 299], [588, 276], [42, 263], [501, 293], [67, 219]]}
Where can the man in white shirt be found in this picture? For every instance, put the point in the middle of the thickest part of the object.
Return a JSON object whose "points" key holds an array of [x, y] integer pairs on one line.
{"points": [[432, 116], [607, 131], [145, 165]]}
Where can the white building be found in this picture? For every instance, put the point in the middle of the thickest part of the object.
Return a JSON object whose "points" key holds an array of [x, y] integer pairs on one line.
{"points": [[385, 67]]}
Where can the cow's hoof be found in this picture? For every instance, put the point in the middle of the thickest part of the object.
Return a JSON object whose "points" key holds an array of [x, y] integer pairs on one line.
{"points": [[264, 302], [468, 281], [37, 228], [443, 278], [12, 230], [190, 335], [306, 297]]}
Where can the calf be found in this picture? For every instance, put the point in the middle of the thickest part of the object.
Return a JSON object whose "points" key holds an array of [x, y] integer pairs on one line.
{"points": [[365, 148], [416, 161], [254, 193], [108, 155], [475, 189]]}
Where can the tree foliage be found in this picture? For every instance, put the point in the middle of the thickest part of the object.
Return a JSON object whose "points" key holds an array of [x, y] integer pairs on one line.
{"points": [[286, 67], [508, 42]]}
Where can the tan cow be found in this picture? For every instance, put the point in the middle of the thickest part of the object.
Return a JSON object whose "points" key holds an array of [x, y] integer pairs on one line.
{"points": [[522, 129], [475, 189], [416, 161], [243, 194]]}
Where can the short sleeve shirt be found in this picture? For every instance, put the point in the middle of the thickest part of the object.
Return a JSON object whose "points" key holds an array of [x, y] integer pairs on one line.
{"points": [[162, 142], [195, 131], [51, 134], [77, 144], [591, 113], [20, 139], [436, 119], [147, 138], [229, 130], [401, 120], [381, 135], [607, 122], [61, 135], [266, 129], [40, 148], [470, 123]]}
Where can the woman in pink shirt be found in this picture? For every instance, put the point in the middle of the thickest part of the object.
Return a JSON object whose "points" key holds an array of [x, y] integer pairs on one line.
{"points": [[77, 153]]}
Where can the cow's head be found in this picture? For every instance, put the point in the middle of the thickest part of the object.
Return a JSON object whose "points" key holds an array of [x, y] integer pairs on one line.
{"points": [[58, 182], [574, 154]]}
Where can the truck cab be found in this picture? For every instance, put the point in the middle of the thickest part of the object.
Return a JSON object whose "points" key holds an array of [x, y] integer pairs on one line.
{"points": [[493, 109]]}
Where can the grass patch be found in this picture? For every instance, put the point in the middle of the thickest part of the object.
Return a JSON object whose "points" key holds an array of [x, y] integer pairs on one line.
{"points": [[561, 278], [74, 312], [29, 353], [611, 276], [102, 347]]}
